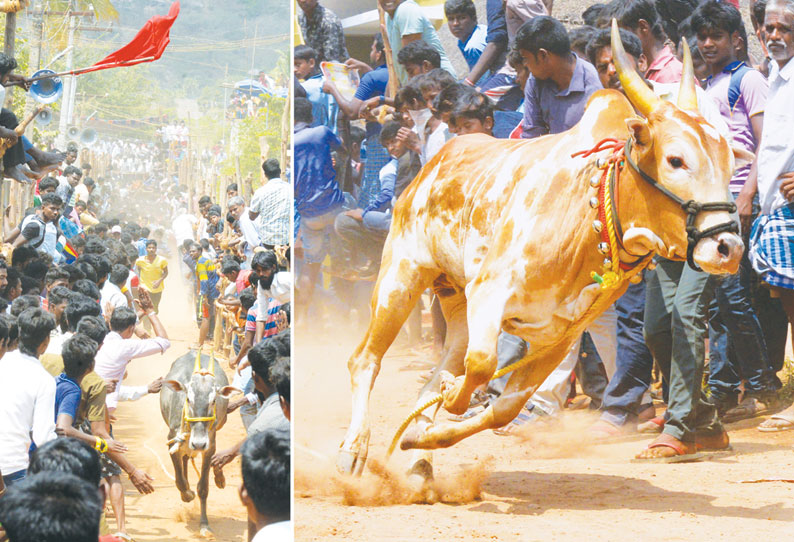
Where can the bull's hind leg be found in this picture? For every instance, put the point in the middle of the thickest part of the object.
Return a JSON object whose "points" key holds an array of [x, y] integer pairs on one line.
{"points": [[399, 285], [519, 389], [453, 304]]}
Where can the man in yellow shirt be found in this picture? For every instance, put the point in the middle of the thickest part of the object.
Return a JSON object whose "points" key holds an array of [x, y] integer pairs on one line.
{"points": [[152, 270]]}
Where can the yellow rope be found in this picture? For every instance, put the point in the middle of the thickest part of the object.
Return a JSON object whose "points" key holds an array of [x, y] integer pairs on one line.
{"points": [[612, 280]]}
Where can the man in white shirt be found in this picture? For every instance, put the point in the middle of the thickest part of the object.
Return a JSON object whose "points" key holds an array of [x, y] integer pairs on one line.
{"points": [[112, 296], [272, 285], [271, 207], [241, 213], [27, 393], [773, 230], [119, 348]]}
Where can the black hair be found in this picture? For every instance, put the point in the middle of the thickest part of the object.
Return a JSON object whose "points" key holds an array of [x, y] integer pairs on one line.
{"points": [[24, 302], [94, 246], [543, 33], [357, 135], [151, 242], [119, 274], [445, 100], [22, 255], [265, 258], [54, 274], [144, 232], [247, 298], [408, 94], [266, 472], [712, 15], [435, 79], [102, 264], [7, 64], [389, 131], [35, 325], [51, 199], [417, 52], [262, 356], [69, 170], [9, 329], [303, 110], [88, 271], [672, 13], [126, 239], [58, 295], [88, 181], [279, 376], [591, 14], [30, 286], [87, 288], [37, 269], [271, 168], [203, 200], [80, 306], [603, 38], [580, 36], [460, 7], [758, 13], [48, 183], [379, 45], [229, 265], [122, 318], [78, 354], [304, 52], [94, 327], [231, 187], [630, 12], [75, 273], [51, 506], [67, 455]]}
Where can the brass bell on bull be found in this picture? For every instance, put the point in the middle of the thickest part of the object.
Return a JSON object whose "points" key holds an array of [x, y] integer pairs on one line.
{"points": [[607, 263], [594, 202], [597, 226], [603, 248], [595, 181]]}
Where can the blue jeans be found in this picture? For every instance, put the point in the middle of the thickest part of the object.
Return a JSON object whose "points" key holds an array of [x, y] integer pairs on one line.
{"points": [[14, 477], [737, 347], [634, 364]]}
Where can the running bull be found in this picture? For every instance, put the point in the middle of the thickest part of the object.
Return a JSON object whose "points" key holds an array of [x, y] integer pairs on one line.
{"points": [[511, 235], [193, 403]]}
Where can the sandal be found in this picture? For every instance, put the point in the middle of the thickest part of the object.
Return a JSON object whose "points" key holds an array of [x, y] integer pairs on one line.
{"points": [[652, 426], [684, 452], [124, 536], [518, 422], [750, 407], [772, 425]]}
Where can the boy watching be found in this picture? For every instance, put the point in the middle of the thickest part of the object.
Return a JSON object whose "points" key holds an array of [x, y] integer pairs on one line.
{"points": [[462, 20], [265, 491], [366, 229], [307, 69], [418, 57], [472, 114]]}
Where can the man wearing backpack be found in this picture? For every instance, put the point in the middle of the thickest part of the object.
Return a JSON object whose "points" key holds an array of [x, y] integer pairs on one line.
{"points": [[736, 337], [38, 230]]}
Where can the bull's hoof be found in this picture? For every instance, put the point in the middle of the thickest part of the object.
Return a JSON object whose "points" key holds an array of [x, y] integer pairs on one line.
{"points": [[188, 495], [205, 532], [220, 478], [419, 481], [350, 463]]}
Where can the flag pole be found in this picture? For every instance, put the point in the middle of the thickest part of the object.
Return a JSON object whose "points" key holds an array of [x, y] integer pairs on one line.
{"points": [[93, 68]]}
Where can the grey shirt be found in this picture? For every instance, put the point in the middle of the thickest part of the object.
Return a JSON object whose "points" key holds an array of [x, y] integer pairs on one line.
{"points": [[270, 416]]}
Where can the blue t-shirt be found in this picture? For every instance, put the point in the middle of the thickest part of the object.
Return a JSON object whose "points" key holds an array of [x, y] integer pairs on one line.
{"points": [[67, 396], [373, 83], [316, 189], [324, 107], [473, 47]]}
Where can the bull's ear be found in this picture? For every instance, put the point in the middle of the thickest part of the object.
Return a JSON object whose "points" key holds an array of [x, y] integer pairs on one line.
{"points": [[174, 385], [228, 391], [741, 157], [640, 133]]}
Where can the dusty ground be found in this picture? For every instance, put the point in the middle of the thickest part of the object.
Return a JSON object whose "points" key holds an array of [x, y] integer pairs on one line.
{"points": [[550, 485], [162, 516]]}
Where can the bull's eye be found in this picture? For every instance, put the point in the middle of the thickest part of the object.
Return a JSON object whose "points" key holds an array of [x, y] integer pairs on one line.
{"points": [[675, 161]]}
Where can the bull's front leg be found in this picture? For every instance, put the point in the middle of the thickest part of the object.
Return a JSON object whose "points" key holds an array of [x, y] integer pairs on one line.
{"points": [[180, 476], [484, 315], [203, 489]]}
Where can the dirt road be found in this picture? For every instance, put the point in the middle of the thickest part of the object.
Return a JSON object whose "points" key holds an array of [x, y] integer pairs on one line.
{"points": [[550, 485], [162, 516]]}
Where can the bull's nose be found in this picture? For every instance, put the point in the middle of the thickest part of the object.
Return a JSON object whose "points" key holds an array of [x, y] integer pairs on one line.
{"points": [[199, 446], [730, 248]]}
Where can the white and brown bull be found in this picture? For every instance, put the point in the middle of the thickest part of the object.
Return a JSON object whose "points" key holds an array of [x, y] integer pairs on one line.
{"points": [[505, 232]]}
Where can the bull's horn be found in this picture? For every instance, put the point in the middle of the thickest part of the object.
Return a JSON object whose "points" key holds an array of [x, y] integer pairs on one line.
{"points": [[687, 95], [638, 93]]}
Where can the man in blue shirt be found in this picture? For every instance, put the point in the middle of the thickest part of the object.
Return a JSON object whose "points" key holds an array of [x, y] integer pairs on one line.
{"points": [[560, 82], [366, 229], [318, 198], [462, 19]]}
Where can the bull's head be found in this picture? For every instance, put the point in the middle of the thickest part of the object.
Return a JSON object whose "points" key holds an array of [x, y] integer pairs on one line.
{"points": [[199, 412], [691, 162]]}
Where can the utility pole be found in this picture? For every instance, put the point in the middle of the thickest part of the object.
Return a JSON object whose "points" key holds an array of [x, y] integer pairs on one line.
{"points": [[68, 84], [8, 45]]}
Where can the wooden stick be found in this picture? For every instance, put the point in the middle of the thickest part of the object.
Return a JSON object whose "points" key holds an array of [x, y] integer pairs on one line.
{"points": [[394, 82]]}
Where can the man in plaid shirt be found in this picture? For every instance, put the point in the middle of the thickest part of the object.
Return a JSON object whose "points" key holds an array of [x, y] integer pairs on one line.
{"points": [[271, 206]]}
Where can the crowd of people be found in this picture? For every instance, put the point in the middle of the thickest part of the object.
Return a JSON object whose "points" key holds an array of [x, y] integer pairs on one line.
{"points": [[526, 75], [82, 277]]}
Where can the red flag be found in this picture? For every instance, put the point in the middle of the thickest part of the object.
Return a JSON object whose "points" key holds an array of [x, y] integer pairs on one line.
{"points": [[147, 45]]}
